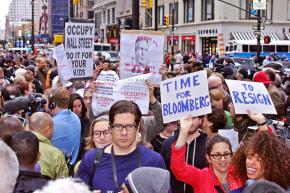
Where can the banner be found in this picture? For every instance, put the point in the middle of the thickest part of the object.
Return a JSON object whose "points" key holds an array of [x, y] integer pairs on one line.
{"points": [[63, 66], [104, 97], [184, 95], [250, 96], [141, 53], [79, 47], [135, 89]]}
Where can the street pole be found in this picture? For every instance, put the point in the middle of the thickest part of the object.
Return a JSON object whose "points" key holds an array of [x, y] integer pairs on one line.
{"points": [[32, 26], [172, 33], [135, 14], [155, 19], [259, 35]]}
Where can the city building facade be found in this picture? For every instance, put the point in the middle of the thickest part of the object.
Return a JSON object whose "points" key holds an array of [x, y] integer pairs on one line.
{"points": [[204, 26]]}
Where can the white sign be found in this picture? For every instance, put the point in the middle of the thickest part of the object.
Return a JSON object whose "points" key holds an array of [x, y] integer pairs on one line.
{"points": [[184, 95], [250, 96], [79, 46], [63, 65], [104, 97], [260, 4], [232, 136], [141, 54], [134, 89]]}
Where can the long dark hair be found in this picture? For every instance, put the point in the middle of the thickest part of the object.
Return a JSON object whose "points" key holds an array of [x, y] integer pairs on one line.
{"points": [[74, 97]]}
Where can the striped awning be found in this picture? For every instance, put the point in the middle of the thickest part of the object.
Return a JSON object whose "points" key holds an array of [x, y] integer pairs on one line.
{"points": [[287, 34], [248, 36]]}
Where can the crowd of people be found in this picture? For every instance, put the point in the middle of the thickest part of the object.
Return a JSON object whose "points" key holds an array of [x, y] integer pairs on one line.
{"points": [[51, 140]]}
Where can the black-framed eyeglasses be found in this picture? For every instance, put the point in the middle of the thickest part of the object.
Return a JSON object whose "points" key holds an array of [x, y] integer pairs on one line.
{"points": [[106, 133], [219, 156], [119, 127]]}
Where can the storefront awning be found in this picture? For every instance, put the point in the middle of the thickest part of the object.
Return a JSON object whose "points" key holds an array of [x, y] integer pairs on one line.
{"points": [[249, 36], [287, 34]]}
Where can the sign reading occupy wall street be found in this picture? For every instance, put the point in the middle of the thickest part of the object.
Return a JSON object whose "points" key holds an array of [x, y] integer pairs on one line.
{"points": [[134, 89], [141, 53], [250, 96], [79, 47], [184, 95], [104, 97]]}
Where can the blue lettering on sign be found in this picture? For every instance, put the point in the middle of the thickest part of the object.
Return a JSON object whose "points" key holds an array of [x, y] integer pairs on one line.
{"points": [[251, 98], [187, 105], [182, 83]]}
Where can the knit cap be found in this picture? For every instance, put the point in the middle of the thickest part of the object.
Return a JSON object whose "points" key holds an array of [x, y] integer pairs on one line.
{"points": [[149, 180]]}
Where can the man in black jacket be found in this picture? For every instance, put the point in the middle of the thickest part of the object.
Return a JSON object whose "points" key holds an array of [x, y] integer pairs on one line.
{"points": [[26, 146], [195, 154]]}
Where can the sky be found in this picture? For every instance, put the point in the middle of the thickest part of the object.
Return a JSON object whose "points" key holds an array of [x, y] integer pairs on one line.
{"points": [[3, 12]]}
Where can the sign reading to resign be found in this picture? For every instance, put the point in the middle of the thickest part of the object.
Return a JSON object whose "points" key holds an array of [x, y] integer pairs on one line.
{"points": [[184, 95], [79, 47]]}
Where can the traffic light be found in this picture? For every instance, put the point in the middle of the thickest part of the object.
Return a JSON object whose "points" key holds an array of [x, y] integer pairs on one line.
{"points": [[75, 2], [267, 40], [166, 20], [144, 3]]}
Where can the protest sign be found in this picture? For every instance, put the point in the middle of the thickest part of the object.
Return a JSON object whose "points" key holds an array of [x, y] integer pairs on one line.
{"points": [[134, 89], [63, 66], [141, 53], [184, 95], [250, 96], [79, 47], [104, 97], [232, 136]]}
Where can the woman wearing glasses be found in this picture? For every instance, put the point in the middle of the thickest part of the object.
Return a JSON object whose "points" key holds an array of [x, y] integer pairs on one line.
{"points": [[100, 134], [215, 178]]}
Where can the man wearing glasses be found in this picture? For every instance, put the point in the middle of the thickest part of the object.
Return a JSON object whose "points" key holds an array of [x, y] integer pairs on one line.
{"points": [[123, 155]]}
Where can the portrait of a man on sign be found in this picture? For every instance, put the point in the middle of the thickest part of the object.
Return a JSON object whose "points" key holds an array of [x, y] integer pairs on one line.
{"points": [[142, 60], [141, 53]]}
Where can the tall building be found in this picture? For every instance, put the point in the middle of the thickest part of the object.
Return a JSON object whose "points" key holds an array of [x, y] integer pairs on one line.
{"points": [[42, 22], [58, 11], [84, 10], [106, 27], [19, 10], [205, 26]]}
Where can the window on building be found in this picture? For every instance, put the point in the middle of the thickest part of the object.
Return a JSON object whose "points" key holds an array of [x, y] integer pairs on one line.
{"points": [[248, 4], [98, 19], [160, 15], [173, 9], [90, 14], [188, 11], [207, 10], [113, 15], [148, 17], [109, 16], [104, 16]]}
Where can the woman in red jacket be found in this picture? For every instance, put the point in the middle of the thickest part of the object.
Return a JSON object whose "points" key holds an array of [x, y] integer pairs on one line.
{"points": [[216, 178]]}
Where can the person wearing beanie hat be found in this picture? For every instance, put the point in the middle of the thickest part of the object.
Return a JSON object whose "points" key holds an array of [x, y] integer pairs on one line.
{"points": [[263, 186], [147, 180]]}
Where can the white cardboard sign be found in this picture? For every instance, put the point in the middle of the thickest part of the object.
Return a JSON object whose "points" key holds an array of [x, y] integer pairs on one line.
{"points": [[250, 96], [63, 65], [134, 89], [79, 46], [184, 95], [141, 53]]}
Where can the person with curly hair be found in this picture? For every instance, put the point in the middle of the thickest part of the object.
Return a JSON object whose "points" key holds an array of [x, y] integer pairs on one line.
{"points": [[264, 156]]}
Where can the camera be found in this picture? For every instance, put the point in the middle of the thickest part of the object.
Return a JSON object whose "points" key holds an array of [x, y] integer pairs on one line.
{"points": [[36, 103]]}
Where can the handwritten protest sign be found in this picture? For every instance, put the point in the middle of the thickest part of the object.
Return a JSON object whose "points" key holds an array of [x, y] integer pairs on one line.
{"points": [[141, 53], [250, 95], [184, 95], [79, 47], [135, 89], [104, 97], [63, 66]]}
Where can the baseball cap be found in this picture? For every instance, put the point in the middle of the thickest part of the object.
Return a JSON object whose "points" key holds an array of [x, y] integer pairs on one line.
{"points": [[262, 77]]}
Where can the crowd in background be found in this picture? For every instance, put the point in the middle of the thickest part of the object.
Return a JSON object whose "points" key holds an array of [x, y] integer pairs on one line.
{"points": [[52, 142]]}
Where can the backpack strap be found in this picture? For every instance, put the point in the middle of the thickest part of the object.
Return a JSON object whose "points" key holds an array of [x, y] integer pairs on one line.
{"points": [[96, 163]]}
